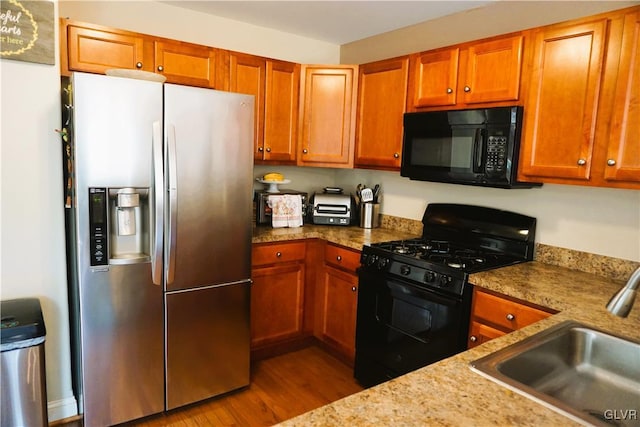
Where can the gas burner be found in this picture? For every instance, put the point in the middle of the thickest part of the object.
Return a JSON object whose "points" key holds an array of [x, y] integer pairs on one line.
{"points": [[404, 250]]}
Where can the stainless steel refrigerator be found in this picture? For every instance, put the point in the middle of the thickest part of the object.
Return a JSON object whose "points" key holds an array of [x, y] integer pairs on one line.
{"points": [[158, 241]]}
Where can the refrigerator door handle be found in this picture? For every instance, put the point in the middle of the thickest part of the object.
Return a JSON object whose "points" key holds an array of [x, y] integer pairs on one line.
{"points": [[158, 195], [173, 202]]}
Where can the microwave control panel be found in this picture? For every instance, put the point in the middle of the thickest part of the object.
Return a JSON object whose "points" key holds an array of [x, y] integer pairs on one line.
{"points": [[496, 155]]}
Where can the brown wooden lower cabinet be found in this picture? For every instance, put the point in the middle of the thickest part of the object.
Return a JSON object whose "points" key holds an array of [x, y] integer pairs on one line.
{"points": [[494, 315], [277, 293], [337, 301], [303, 291], [339, 305], [277, 303]]}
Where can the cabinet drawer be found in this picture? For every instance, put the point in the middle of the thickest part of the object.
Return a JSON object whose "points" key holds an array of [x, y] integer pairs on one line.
{"points": [[276, 253], [480, 333], [342, 257], [505, 313]]}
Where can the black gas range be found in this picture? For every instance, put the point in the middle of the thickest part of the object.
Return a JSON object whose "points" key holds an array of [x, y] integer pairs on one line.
{"points": [[414, 296]]}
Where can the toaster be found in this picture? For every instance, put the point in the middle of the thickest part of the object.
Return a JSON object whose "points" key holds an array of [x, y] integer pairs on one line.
{"points": [[332, 209]]}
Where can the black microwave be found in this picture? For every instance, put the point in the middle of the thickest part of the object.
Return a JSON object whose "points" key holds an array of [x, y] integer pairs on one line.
{"points": [[473, 147]]}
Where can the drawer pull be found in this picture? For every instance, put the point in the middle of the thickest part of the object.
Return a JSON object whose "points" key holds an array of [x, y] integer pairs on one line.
{"points": [[278, 254], [339, 258], [511, 317], [473, 338], [353, 288]]}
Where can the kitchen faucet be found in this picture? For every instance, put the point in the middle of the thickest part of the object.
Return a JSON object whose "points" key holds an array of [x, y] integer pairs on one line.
{"points": [[620, 304]]}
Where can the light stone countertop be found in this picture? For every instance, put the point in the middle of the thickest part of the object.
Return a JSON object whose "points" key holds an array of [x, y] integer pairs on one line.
{"points": [[448, 393], [351, 237]]}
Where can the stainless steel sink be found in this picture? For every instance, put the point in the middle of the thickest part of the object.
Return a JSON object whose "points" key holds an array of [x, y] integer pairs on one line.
{"points": [[586, 374]]}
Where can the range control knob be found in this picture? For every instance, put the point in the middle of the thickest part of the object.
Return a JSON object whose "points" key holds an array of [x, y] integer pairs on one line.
{"points": [[371, 260], [445, 280], [382, 263], [429, 276], [405, 270]]}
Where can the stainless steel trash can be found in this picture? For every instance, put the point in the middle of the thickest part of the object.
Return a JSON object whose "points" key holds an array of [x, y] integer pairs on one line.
{"points": [[24, 393]]}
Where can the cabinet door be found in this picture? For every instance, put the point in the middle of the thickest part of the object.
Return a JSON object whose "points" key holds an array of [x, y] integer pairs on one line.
{"points": [[503, 313], [480, 333], [185, 63], [247, 75], [339, 302], [435, 78], [492, 71], [560, 113], [382, 100], [277, 297], [328, 116], [281, 111], [623, 155], [97, 50]]}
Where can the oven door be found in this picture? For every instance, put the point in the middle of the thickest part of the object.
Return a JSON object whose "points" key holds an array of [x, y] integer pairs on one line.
{"points": [[402, 327]]}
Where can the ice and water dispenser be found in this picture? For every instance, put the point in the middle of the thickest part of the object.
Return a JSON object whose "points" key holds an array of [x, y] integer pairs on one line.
{"points": [[119, 224]]}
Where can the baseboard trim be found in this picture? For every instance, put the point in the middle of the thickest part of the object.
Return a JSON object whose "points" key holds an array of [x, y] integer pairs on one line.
{"points": [[60, 409]]}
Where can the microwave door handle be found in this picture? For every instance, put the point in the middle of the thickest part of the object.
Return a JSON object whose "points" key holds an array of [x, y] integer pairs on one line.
{"points": [[478, 151]]}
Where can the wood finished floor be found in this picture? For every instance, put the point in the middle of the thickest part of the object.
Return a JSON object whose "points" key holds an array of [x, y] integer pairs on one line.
{"points": [[282, 387]]}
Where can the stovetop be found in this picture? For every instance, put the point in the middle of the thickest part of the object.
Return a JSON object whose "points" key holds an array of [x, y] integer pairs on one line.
{"points": [[423, 251], [457, 240]]}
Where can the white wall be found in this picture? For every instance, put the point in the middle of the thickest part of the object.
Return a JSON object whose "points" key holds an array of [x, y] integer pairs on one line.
{"points": [[32, 227], [596, 220], [32, 210], [163, 20]]}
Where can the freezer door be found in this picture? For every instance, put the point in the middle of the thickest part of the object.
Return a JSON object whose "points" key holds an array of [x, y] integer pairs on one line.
{"points": [[209, 167], [207, 342]]}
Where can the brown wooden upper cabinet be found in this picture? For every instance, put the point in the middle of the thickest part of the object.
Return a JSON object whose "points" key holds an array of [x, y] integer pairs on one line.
{"points": [[470, 73], [95, 49], [581, 120], [327, 110], [281, 112], [185, 63], [247, 75], [623, 150], [382, 99], [275, 85]]}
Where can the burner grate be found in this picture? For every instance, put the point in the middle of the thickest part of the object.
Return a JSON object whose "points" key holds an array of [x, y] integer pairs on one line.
{"points": [[444, 253]]}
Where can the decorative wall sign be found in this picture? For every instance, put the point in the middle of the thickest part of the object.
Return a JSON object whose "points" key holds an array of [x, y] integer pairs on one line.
{"points": [[27, 31]]}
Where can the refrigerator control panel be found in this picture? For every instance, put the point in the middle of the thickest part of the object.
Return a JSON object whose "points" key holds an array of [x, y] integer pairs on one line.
{"points": [[98, 226]]}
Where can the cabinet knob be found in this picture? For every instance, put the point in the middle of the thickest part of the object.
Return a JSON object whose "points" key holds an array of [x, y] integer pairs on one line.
{"points": [[510, 316], [467, 89], [138, 64], [582, 162], [339, 258], [396, 155], [449, 90], [278, 254], [305, 151], [160, 68], [611, 162], [260, 149], [353, 288], [473, 338], [268, 150]]}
